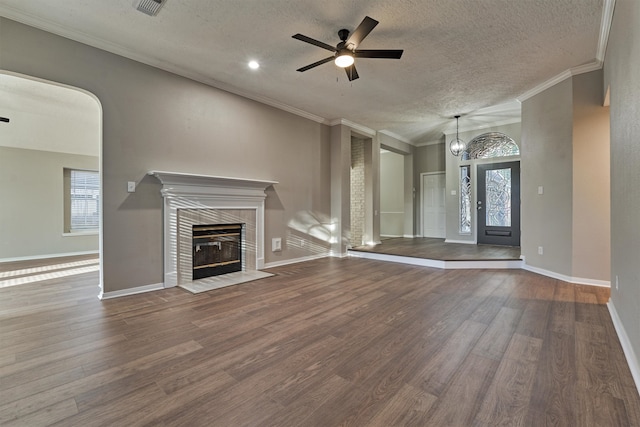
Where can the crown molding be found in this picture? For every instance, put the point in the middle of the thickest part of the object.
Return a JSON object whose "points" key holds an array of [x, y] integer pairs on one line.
{"points": [[580, 69], [80, 37], [396, 136], [449, 132], [605, 28], [355, 126], [544, 86], [424, 144]]}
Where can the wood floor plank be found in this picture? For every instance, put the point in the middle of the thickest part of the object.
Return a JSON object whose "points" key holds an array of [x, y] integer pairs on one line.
{"points": [[297, 411], [324, 343], [493, 343], [506, 402], [408, 407], [435, 373], [63, 410], [469, 385], [553, 398]]}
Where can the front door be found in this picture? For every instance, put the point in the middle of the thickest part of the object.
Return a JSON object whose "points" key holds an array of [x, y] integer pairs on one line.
{"points": [[499, 204]]}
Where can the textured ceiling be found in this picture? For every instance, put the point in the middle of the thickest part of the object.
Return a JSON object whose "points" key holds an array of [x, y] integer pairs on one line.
{"points": [[469, 57]]}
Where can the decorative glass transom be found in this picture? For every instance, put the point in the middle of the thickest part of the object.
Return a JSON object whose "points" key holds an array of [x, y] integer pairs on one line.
{"points": [[489, 145]]}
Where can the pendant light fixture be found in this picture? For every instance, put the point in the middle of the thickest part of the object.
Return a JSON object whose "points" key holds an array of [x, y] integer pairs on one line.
{"points": [[457, 146]]}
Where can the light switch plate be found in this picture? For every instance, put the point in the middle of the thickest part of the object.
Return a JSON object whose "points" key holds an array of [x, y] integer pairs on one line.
{"points": [[131, 186]]}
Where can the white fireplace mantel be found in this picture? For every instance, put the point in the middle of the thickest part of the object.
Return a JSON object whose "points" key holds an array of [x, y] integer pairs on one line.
{"points": [[193, 191], [178, 182]]}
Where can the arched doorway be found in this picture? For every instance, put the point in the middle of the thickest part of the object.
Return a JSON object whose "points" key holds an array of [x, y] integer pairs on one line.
{"points": [[50, 167]]}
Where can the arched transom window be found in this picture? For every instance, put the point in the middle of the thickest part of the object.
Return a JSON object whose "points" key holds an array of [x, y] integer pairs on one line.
{"points": [[489, 145]]}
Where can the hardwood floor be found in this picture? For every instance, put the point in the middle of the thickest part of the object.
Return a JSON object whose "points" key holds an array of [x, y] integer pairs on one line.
{"points": [[437, 249], [323, 343]]}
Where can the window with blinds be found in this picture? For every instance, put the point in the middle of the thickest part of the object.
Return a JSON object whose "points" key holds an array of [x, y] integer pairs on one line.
{"points": [[84, 200]]}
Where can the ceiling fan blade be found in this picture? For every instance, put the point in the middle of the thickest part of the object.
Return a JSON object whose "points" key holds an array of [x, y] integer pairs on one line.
{"points": [[362, 31], [379, 53], [352, 73], [314, 42], [315, 64]]}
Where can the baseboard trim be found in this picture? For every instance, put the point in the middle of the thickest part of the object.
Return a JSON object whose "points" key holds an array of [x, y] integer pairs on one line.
{"points": [[434, 263], [392, 236], [564, 278], [131, 291], [627, 348], [294, 260], [34, 257], [499, 264], [398, 259], [464, 242]]}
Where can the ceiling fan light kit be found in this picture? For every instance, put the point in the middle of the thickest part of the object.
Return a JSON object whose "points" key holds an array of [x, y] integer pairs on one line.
{"points": [[347, 51], [344, 58]]}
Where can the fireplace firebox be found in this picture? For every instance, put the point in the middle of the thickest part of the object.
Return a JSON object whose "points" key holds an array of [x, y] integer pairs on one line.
{"points": [[217, 249]]}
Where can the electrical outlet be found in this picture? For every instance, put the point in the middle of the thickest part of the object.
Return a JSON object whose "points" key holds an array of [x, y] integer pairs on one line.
{"points": [[540, 250], [131, 186], [276, 244]]}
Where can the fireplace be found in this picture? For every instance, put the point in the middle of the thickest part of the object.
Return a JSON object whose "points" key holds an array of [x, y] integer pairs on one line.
{"points": [[191, 199], [216, 249]]}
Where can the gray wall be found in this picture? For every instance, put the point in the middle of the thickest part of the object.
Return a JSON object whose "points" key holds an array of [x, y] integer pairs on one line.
{"points": [[547, 161], [154, 120], [391, 194], [565, 149], [430, 158], [621, 73], [32, 214], [591, 179]]}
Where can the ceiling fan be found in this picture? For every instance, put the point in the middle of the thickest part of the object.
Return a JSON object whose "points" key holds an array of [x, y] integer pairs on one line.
{"points": [[346, 51]]}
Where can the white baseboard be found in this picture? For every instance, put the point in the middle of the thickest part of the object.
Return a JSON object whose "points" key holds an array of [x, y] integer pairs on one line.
{"points": [[409, 236], [131, 291], [391, 236], [627, 348], [294, 260], [399, 259], [498, 264], [564, 278], [466, 242], [33, 257], [434, 263]]}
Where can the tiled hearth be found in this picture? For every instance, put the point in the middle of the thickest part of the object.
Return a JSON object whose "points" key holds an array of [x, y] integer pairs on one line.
{"points": [[201, 199]]}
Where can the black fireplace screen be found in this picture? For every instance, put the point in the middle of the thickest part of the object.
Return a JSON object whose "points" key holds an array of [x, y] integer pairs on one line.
{"points": [[217, 249]]}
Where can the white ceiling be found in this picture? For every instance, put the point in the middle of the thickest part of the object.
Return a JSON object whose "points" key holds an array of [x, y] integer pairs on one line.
{"points": [[469, 57], [48, 117]]}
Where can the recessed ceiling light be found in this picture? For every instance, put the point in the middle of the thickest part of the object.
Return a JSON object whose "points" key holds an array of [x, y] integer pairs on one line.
{"points": [[254, 65]]}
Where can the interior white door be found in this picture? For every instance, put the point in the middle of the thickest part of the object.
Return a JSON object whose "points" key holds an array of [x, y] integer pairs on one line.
{"points": [[433, 206]]}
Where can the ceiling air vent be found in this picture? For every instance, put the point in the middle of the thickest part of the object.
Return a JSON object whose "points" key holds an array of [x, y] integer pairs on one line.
{"points": [[150, 7]]}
